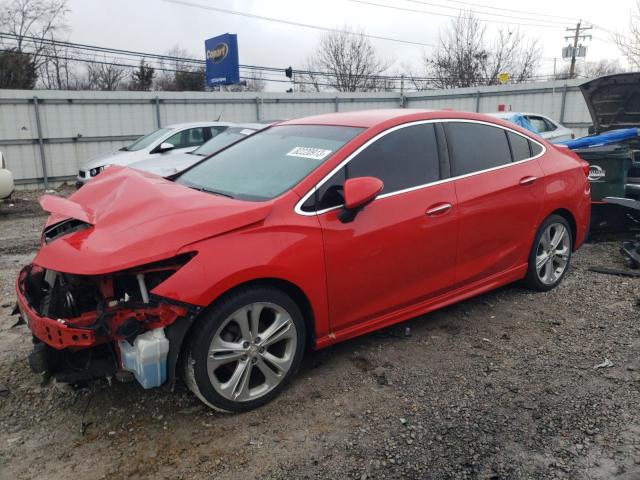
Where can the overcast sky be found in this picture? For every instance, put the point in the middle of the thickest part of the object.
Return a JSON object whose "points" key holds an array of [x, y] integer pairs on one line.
{"points": [[156, 26]]}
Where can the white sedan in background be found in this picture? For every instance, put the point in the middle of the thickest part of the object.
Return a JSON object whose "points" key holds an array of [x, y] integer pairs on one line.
{"points": [[173, 163], [6, 179], [182, 137], [548, 129]]}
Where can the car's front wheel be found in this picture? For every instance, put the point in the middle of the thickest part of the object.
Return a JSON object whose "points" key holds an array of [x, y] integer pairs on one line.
{"points": [[550, 254], [245, 349]]}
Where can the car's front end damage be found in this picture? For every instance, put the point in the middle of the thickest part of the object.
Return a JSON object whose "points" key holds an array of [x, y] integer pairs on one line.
{"points": [[100, 297], [80, 323]]}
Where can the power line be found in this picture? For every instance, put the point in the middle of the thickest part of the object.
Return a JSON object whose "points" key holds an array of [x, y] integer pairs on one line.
{"points": [[501, 9], [452, 16], [394, 7], [306, 77], [295, 24]]}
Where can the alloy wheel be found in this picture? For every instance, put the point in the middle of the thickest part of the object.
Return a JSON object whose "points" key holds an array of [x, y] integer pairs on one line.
{"points": [[552, 254], [252, 351]]}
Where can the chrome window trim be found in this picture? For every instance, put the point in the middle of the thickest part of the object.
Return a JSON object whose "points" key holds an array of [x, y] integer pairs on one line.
{"points": [[298, 206]]}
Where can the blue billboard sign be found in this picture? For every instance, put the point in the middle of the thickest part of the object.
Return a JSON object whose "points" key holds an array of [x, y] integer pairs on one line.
{"points": [[222, 60]]}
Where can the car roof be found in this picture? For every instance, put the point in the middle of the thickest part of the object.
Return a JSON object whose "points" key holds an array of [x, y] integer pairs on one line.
{"points": [[198, 124], [372, 118]]}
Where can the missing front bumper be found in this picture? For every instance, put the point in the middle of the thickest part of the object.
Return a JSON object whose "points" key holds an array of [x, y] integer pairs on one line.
{"points": [[87, 345]]}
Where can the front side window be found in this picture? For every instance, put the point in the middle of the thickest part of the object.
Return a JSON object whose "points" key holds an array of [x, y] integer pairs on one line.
{"points": [[146, 140], [403, 158], [474, 147], [268, 163], [192, 137]]}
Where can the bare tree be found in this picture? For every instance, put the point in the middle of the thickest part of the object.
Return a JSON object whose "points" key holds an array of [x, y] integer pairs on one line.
{"points": [[105, 76], [466, 58], [346, 61], [57, 71], [31, 23], [629, 42], [254, 84], [180, 73], [592, 69]]}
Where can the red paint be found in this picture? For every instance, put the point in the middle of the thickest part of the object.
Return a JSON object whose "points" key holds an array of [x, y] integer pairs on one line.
{"points": [[402, 256], [360, 191]]}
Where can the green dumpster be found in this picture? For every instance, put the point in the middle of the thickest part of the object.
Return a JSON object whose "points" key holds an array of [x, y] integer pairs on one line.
{"points": [[608, 169]]}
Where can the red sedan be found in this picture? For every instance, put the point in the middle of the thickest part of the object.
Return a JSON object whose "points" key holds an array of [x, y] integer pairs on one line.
{"points": [[308, 233]]}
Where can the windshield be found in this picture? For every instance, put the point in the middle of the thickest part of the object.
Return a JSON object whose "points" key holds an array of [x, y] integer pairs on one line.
{"points": [[229, 136], [146, 140], [268, 163]]}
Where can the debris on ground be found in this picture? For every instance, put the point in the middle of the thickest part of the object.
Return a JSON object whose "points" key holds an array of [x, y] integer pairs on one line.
{"points": [[606, 364]]}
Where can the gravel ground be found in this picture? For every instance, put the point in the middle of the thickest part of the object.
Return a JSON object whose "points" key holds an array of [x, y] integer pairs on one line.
{"points": [[502, 386]]}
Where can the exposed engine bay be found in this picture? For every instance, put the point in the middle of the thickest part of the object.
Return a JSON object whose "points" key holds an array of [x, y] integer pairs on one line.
{"points": [[81, 324]]}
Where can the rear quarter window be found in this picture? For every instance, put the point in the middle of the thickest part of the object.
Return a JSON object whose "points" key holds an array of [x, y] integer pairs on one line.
{"points": [[536, 149], [475, 146], [519, 146]]}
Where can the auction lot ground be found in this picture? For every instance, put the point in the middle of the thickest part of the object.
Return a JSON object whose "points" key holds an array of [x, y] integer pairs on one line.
{"points": [[501, 386]]}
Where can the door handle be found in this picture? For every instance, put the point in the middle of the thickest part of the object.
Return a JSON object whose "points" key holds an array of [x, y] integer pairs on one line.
{"points": [[528, 180], [439, 209]]}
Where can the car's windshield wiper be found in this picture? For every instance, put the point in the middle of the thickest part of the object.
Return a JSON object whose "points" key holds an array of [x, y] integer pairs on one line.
{"points": [[214, 192]]}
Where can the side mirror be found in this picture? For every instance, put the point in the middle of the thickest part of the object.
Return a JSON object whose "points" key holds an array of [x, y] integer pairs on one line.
{"points": [[358, 193], [164, 147]]}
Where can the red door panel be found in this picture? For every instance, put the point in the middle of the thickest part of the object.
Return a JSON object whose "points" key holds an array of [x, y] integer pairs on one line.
{"points": [[498, 212], [392, 254]]}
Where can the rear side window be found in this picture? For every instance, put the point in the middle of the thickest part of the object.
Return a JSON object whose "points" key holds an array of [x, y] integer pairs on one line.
{"points": [[519, 146], [474, 147], [404, 158]]}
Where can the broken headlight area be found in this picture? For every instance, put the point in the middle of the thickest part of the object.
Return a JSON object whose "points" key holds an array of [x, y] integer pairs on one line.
{"points": [[62, 228], [93, 326]]}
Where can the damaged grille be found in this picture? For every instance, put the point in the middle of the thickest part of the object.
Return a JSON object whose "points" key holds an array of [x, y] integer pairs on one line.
{"points": [[65, 227], [68, 296]]}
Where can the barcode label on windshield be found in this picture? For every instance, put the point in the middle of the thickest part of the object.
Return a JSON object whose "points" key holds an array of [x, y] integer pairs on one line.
{"points": [[309, 152]]}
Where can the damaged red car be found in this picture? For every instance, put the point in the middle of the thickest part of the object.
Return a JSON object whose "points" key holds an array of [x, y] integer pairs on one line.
{"points": [[308, 233]]}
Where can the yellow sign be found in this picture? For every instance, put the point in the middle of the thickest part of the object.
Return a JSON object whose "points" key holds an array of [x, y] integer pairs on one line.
{"points": [[503, 77]]}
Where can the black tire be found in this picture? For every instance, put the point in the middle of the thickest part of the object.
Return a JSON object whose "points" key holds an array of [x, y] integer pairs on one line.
{"points": [[532, 279], [195, 372]]}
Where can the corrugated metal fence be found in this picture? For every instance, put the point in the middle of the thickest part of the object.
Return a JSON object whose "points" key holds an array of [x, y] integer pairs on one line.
{"points": [[49, 134]]}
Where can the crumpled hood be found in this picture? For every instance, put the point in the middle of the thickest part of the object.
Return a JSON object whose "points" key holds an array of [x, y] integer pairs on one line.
{"points": [[137, 218], [167, 165], [613, 101]]}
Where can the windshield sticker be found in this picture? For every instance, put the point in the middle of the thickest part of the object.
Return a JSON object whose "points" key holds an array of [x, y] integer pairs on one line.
{"points": [[309, 152], [246, 131]]}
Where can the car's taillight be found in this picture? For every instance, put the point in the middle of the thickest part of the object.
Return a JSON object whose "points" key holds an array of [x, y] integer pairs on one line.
{"points": [[585, 167]]}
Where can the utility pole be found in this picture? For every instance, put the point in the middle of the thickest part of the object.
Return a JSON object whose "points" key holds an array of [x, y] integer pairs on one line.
{"points": [[574, 51]]}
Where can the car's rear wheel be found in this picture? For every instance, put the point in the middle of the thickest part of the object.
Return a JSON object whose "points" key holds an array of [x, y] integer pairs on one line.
{"points": [[550, 255], [245, 349]]}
